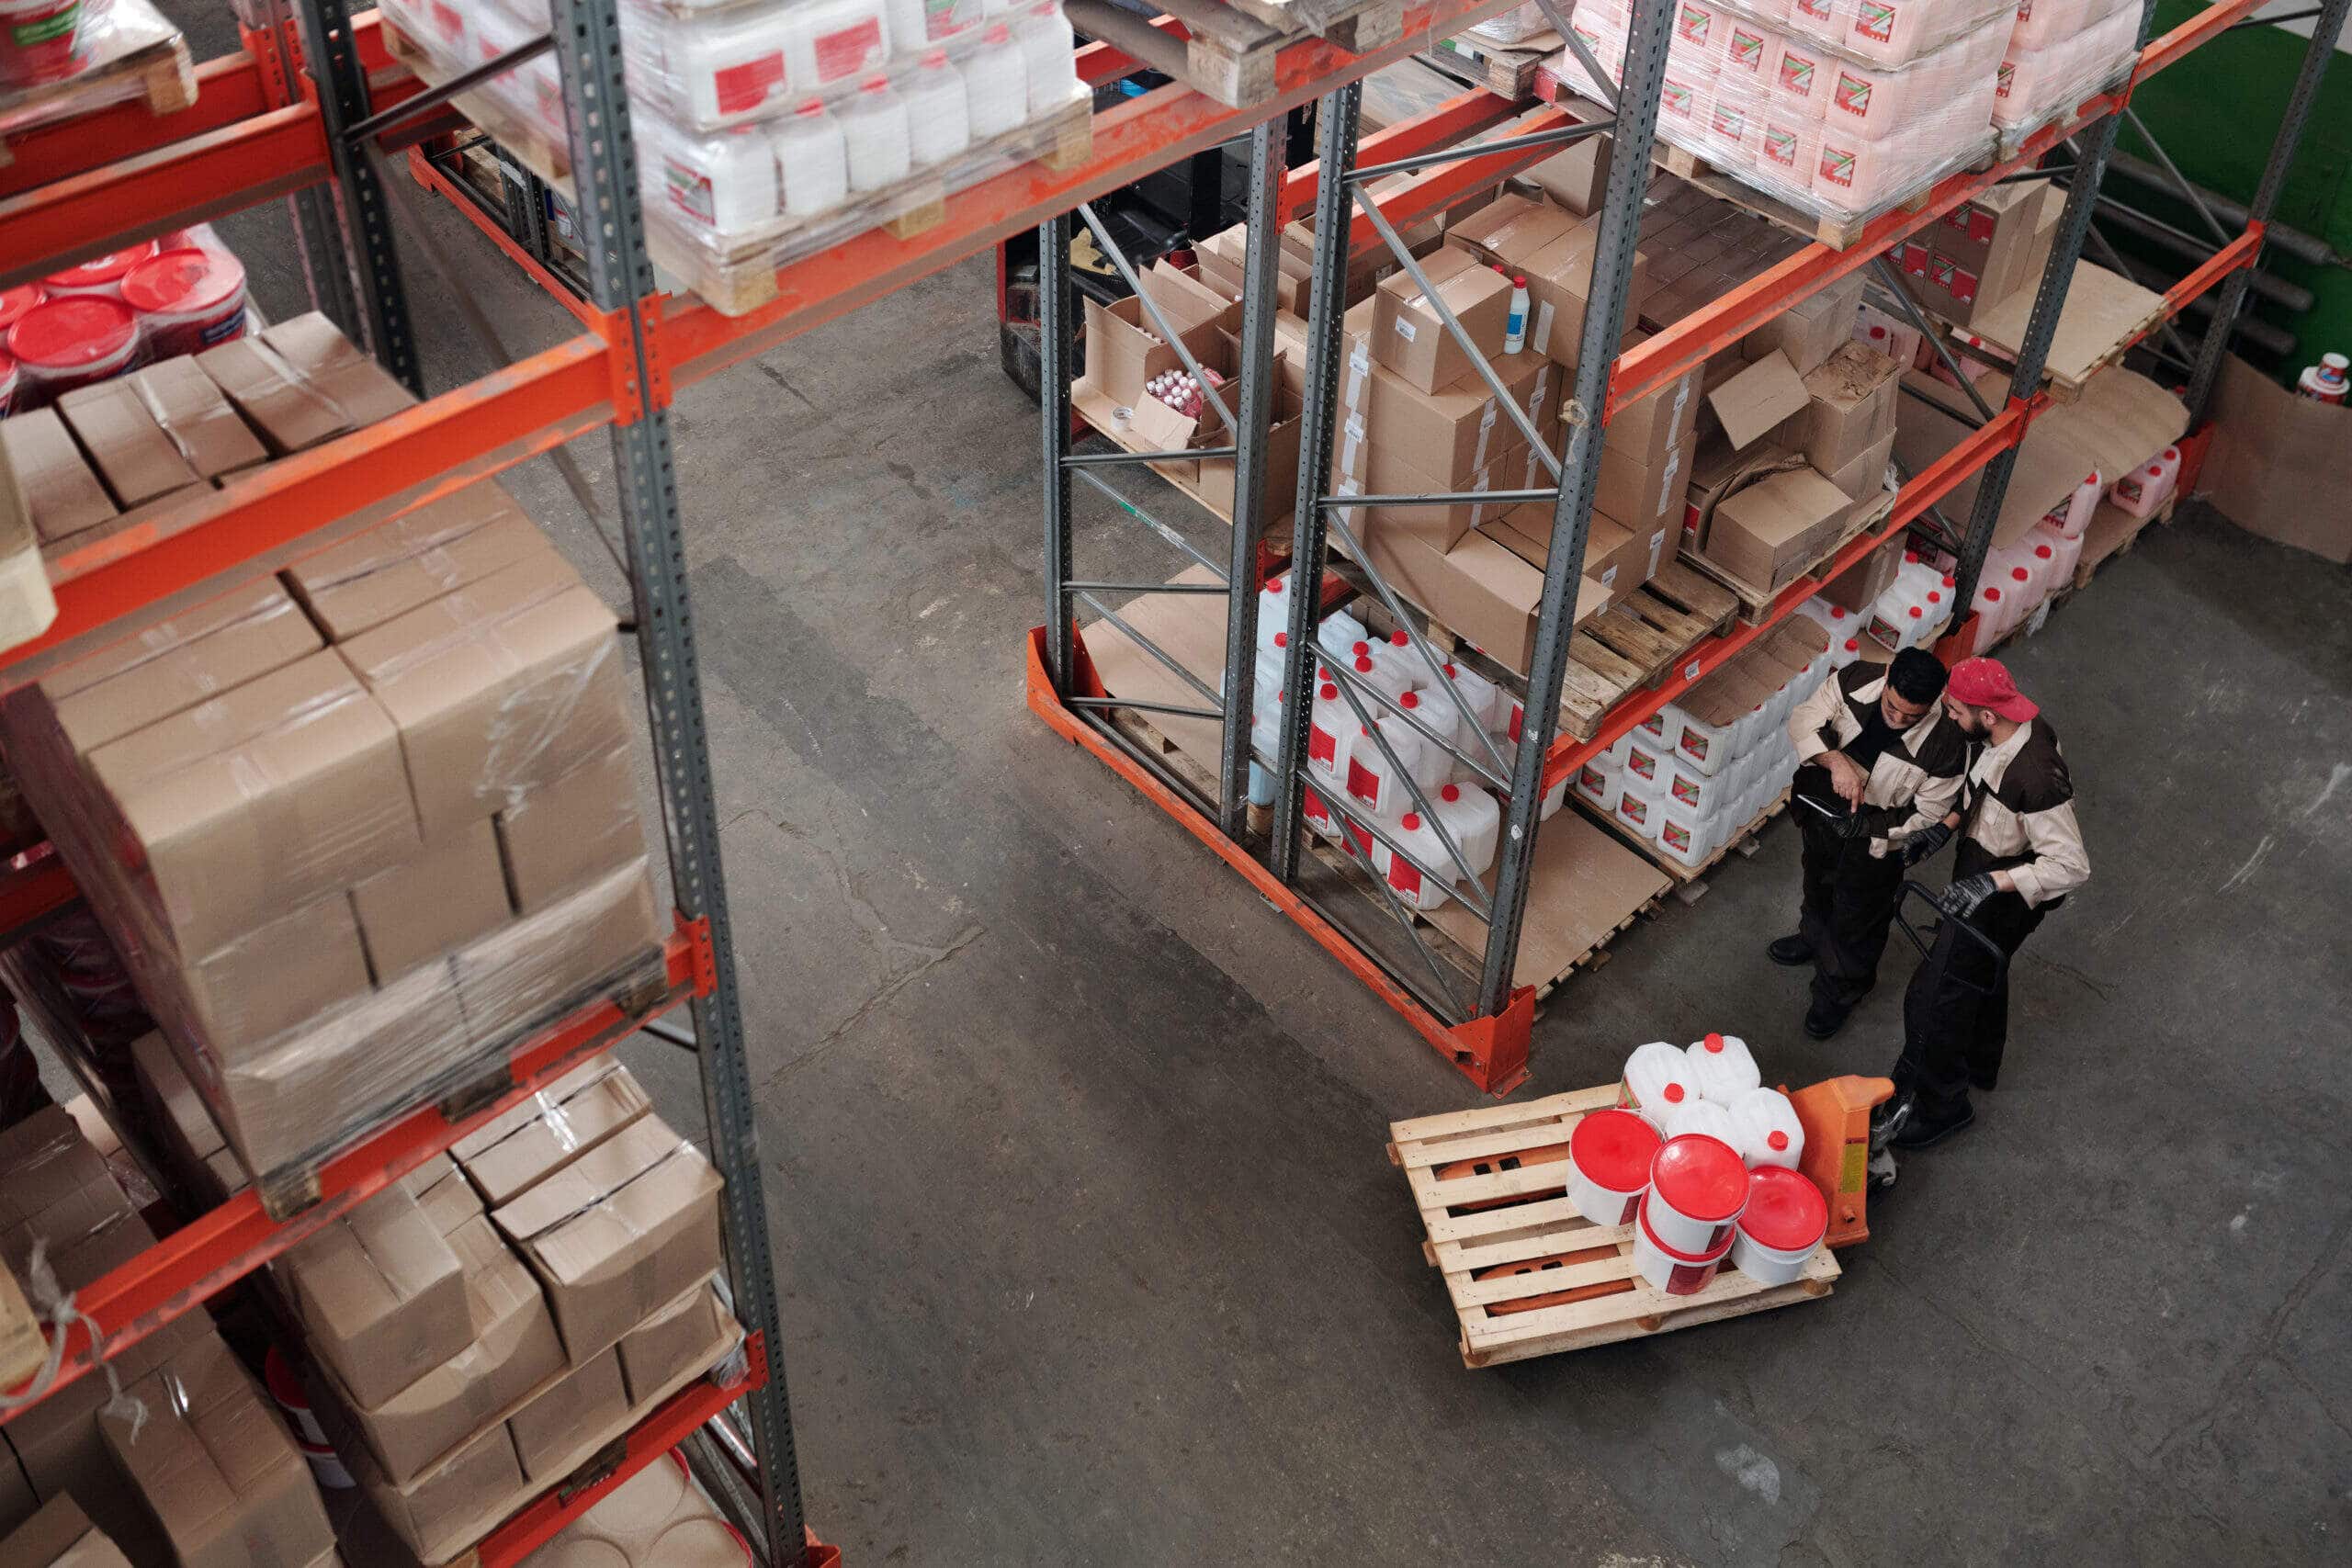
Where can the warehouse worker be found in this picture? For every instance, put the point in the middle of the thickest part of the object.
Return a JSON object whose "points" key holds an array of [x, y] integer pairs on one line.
{"points": [[2021, 854], [1880, 763]]}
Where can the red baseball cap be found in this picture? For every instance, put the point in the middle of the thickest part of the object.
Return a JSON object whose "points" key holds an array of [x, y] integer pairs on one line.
{"points": [[1985, 684]]}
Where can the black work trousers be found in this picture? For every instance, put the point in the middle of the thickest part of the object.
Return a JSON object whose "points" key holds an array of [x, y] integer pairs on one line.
{"points": [[1956, 1014], [1849, 904]]}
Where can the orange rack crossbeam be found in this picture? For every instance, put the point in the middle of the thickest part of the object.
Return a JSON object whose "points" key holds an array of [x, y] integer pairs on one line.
{"points": [[197, 1261]]}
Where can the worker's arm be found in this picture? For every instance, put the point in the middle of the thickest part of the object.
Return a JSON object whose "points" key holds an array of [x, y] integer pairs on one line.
{"points": [[1938, 794], [2060, 863], [1810, 716]]}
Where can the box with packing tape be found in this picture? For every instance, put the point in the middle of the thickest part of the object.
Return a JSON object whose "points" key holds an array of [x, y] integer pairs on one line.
{"points": [[355, 831]]}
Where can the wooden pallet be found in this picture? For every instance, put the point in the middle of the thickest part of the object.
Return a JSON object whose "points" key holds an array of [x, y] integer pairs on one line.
{"points": [[1530, 1276], [1754, 600], [737, 277], [2111, 534], [1357, 25], [2105, 316], [140, 57], [1692, 877], [1506, 70]]}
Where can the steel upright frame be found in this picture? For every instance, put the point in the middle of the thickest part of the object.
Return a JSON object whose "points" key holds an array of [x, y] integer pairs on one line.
{"points": [[1486, 1035]]}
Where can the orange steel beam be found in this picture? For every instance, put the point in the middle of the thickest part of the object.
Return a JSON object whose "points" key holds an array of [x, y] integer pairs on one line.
{"points": [[1130, 141], [187, 182], [2240, 252], [671, 1423], [175, 1275], [227, 90], [2203, 26], [433, 177], [1928, 486], [1490, 1051]]}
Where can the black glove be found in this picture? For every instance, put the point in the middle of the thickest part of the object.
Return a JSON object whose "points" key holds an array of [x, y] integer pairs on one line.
{"points": [[1923, 844], [1856, 824], [1964, 897]]}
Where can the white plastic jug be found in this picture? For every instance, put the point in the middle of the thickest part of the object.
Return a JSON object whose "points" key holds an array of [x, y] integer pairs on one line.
{"points": [[1764, 1129], [1897, 340], [1597, 781], [1705, 796], [995, 82], [1844, 651], [1047, 53], [1395, 653], [874, 134], [1703, 1117], [1373, 670], [1723, 1067], [1554, 798], [1480, 695], [938, 125], [1331, 735], [1473, 819], [914, 23], [1657, 1078], [2144, 487], [2072, 516], [1374, 782], [1444, 720], [1684, 834], [2065, 551], [1706, 744], [1416, 888], [1339, 632], [1635, 812], [813, 160], [724, 181], [1991, 616], [1649, 765]]}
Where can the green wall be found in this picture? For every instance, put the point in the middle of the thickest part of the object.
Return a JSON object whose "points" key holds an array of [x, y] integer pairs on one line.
{"points": [[2216, 112]]}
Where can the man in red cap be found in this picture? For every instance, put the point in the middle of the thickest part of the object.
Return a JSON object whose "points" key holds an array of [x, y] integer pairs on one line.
{"points": [[2021, 854]]}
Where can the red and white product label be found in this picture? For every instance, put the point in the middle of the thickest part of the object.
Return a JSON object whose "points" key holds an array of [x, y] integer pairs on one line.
{"points": [[847, 51], [741, 88], [689, 191]]}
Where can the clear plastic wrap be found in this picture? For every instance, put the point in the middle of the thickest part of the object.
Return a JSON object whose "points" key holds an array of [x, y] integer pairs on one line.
{"points": [[57, 56], [1513, 27], [347, 868], [2067, 59]]}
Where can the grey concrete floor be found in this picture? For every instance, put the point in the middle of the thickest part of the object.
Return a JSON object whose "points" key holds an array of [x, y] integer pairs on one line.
{"points": [[1073, 1146]]}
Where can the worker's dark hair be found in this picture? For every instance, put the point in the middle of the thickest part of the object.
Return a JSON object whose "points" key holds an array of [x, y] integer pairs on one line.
{"points": [[1917, 675]]}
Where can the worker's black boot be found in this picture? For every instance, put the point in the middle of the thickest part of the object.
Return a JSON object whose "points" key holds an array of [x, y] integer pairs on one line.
{"points": [[1823, 1020], [1790, 952], [1923, 1128]]}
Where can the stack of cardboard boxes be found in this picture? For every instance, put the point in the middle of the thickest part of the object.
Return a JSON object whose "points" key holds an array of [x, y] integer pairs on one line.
{"points": [[355, 830], [486, 1323], [1793, 448], [191, 1467], [1982, 250]]}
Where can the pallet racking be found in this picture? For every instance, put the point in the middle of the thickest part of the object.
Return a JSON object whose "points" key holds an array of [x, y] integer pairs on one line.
{"points": [[1485, 1032], [304, 112]]}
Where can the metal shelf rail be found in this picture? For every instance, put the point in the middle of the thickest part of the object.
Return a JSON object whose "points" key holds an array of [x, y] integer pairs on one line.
{"points": [[1486, 1035], [268, 126]]}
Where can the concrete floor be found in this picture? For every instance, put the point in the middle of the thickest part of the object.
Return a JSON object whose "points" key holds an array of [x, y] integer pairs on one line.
{"points": [[1073, 1146]]}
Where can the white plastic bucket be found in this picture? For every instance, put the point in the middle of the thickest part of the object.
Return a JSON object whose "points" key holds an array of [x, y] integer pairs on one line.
{"points": [[1684, 834], [1723, 1067], [101, 276], [1678, 1271], [1780, 1228], [1609, 1165], [1698, 1187], [73, 342], [188, 300], [1764, 1129]]}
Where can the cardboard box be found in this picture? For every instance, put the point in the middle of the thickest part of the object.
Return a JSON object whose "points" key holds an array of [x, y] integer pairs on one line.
{"points": [[60, 494], [1648, 431], [1769, 532], [250, 991], [442, 1194], [1616, 559], [1436, 524], [453, 892], [215, 1468], [137, 461], [359, 604], [1864, 477], [1809, 331], [191, 411], [1993, 232], [1388, 423], [1409, 338], [380, 1295], [1559, 283], [508, 683], [317, 580], [58, 1535], [302, 382], [182, 1126], [513, 1350], [532, 1141], [584, 943], [1481, 587], [581, 827], [268, 796], [1223, 258], [1215, 478], [1574, 180], [179, 674], [1863, 581], [1509, 231], [667, 1344], [2272, 452], [1125, 351], [586, 1400], [1754, 402], [443, 1511], [146, 641], [618, 1233], [1849, 407]]}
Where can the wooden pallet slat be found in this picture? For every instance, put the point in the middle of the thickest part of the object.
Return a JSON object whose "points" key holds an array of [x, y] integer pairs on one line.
{"points": [[1497, 1319]]}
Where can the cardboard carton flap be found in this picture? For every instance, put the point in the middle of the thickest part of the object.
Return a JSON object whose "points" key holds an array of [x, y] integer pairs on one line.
{"points": [[1160, 427], [583, 1220], [1752, 403]]}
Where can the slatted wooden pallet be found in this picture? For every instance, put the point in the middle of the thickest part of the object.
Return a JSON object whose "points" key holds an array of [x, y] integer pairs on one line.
{"points": [[1506, 70], [1527, 1274], [2111, 534], [1357, 25], [1754, 600], [140, 57]]}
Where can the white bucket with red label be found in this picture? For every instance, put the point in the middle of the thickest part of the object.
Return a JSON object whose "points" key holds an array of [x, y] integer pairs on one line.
{"points": [[1673, 1270], [101, 276], [1698, 1187], [188, 300], [60, 344], [1781, 1226], [1609, 1165]]}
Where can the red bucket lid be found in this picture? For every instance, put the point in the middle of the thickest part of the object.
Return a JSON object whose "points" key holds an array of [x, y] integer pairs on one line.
{"points": [[14, 302], [1614, 1148], [1786, 1211], [107, 268], [188, 279], [73, 331], [1700, 1177], [1642, 1218]]}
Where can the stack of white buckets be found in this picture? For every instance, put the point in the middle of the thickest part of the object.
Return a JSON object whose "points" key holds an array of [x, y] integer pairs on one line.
{"points": [[1342, 755], [1701, 1161]]}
